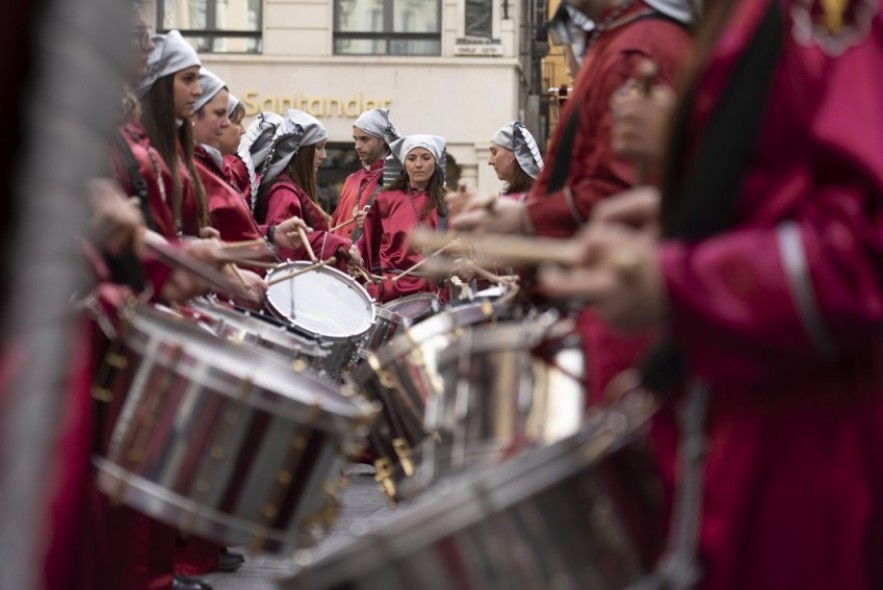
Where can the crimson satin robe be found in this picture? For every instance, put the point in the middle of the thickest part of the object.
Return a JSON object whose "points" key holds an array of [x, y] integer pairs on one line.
{"points": [[384, 244], [286, 200], [356, 192], [228, 211], [793, 479]]}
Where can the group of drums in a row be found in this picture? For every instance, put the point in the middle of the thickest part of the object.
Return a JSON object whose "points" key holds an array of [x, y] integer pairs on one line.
{"points": [[237, 425]]}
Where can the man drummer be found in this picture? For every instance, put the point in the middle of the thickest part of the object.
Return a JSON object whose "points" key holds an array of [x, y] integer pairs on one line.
{"points": [[372, 134]]}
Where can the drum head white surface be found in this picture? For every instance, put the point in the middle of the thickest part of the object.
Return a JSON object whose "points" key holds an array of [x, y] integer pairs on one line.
{"points": [[324, 302]]}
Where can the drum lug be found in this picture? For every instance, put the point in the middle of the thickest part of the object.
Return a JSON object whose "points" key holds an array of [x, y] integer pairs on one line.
{"points": [[487, 308], [403, 451], [101, 394], [383, 477], [300, 365], [117, 361]]}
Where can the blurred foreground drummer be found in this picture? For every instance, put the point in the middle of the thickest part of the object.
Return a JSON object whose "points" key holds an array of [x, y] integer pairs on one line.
{"points": [[764, 263]]}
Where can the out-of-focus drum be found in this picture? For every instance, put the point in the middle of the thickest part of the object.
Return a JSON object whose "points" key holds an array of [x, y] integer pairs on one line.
{"points": [[558, 518], [326, 305], [507, 387], [226, 441], [259, 330], [402, 375], [415, 308], [386, 323]]}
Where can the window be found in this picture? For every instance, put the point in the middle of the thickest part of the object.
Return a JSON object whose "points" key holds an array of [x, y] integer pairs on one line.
{"points": [[214, 26], [387, 27]]}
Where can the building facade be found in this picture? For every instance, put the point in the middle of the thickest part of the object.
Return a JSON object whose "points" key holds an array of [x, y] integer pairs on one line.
{"points": [[456, 68]]}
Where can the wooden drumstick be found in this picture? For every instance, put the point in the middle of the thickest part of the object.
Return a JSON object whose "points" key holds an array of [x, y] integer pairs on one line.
{"points": [[342, 225], [422, 262], [306, 242], [238, 274], [297, 273], [243, 244], [509, 249], [647, 72], [252, 263]]}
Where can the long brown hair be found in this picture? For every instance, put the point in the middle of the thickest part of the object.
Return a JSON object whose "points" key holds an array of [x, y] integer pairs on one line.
{"points": [[434, 189], [160, 122], [520, 183], [301, 170]]}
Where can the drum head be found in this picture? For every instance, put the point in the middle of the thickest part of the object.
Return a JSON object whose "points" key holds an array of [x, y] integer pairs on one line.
{"points": [[324, 302]]}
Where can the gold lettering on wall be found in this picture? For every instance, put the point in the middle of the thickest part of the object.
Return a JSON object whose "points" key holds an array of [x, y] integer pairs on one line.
{"points": [[318, 106]]}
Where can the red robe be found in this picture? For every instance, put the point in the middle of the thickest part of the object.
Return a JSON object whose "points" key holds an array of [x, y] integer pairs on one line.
{"points": [[153, 170], [237, 173], [384, 244], [595, 173], [228, 211], [356, 192], [190, 221], [782, 316], [286, 200]]}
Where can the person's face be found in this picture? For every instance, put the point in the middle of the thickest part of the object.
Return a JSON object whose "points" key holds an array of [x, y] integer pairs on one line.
{"points": [[142, 45], [187, 90], [591, 8], [231, 137], [320, 156], [369, 148], [502, 161], [419, 164], [209, 127]]}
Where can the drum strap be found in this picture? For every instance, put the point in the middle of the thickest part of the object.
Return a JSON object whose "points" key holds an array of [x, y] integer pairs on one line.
{"points": [[357, 233], [138, 182], [679, 567]]}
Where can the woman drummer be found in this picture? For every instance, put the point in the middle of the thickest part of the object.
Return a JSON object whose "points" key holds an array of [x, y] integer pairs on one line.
{"points": [[229, 211], [288, 189], [516, 159], [414, 199]]}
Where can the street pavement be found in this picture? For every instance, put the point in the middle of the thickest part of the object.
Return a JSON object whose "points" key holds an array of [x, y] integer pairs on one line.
{"points": [[361, 500]]}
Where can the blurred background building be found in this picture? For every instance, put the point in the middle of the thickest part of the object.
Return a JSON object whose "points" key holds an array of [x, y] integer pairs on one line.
{"points": [[457, 68]]}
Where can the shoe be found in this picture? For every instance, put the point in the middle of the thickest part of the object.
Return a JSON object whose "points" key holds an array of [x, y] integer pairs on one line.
{"points": [[229, 561], [187, 583]]}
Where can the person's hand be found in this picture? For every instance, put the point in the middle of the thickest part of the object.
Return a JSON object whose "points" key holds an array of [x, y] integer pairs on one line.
{"points": [[500, 216], [352, 255], [286, 235], [619, 276], [252, 282], [638, 208], [463, 268], [640, 123], [209, 233], [360, 218], [116, 221]]}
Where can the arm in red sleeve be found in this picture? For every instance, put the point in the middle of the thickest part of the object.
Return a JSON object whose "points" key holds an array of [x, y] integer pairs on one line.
{"points": [[369, 243], [802, 286], [595, 172]]}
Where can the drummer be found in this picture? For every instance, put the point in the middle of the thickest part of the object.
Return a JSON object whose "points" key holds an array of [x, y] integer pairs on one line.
{"points": [[372, 134], [228, 210], [288, 189], [515, 157], [414, 199], [254, 147]]}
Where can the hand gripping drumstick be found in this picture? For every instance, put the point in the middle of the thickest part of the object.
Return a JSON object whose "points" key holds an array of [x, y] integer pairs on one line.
{"points": [[454, 243], [304, 270], [213, 277]]}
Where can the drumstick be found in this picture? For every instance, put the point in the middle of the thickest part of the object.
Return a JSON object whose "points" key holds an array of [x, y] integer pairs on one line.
{"points": [[647, 72], [306, 242], [252, 263], [304, 270], [342, 225], [213, 277], [238, 274], [422, 262], [509, 249], [243, 244]]}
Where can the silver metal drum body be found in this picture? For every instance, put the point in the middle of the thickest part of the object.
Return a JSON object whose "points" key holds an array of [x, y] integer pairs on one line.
{"points": [[386, 324], [415, 308], [551, 519], [506, 387], [259, 330], [325, 305], [402, 376], [225, 441]]}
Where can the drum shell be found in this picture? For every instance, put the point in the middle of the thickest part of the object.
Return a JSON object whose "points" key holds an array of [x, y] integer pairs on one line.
{"points": [[403, 375], [506, 387], [386, 324], [225, 441], [550, 519]]}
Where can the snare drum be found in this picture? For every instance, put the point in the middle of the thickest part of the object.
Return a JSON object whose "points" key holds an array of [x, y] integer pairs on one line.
{"points": [[326, 305], [262, 331], [225, 441], [556, 518], [507, 387], [415, 308], [402, 375]]}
